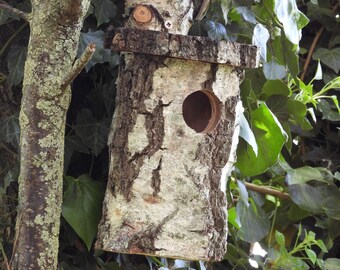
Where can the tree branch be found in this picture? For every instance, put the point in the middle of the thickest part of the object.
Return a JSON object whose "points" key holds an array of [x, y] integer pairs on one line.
{"points": [[19, 13], [312, 47], [266, 190], [79, 64]]}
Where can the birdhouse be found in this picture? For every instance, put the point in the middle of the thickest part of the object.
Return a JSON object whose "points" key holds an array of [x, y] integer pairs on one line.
{"points": [[173, 137]]}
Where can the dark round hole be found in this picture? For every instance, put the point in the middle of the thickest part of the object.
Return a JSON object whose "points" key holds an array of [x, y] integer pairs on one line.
{"points": [[201, 111]]}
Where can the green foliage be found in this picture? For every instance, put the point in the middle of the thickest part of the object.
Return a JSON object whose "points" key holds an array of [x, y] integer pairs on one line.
{"points": [[289, 136], [82, 206]]}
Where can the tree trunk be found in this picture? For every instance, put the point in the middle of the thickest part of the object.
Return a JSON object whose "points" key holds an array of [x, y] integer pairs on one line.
{"points": [[55, 28], [173, 132]]}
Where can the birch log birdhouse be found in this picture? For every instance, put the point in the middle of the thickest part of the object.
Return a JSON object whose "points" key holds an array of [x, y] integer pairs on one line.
{"points": [[173, 135]]}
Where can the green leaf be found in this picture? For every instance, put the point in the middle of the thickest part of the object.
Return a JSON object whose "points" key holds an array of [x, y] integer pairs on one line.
{"points": [[321, 245], [308, 197], [101, 54], [254, 226], [75, 143], [10, 131], [92, 132], [330, 58], [297, 111], [260, 38], [233, 218], [331, 205], [225, 7], [243, 192], [82, 206], [16, 62], [291, 18], [296, 213], [332, 264], [247, 14], [270, 138], [311, 255], [327, 110], [280, 238], [104, 10], [275, 87], [304, 174], [247, 134], [273, 71], [11, 176]]}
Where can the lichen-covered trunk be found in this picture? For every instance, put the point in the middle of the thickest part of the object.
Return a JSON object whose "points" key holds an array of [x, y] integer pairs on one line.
{"points": [[55, 28]]}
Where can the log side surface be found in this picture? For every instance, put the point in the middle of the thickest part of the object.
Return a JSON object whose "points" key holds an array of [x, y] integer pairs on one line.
{"points": [[184, 47], [166, 184]]}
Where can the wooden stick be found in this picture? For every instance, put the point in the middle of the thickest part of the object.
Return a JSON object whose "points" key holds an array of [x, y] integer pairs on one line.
{"points": [[266, 190], [79, 64]]}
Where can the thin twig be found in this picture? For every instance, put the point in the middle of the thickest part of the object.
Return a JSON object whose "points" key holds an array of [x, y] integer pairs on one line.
{"points": [[266, 190], [79, 64], [18, 12], [312, 47], [203, 10], [311, 51]]}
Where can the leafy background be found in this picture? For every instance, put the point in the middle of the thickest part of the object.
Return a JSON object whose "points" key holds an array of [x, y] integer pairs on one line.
{"points": [[284, 190]]}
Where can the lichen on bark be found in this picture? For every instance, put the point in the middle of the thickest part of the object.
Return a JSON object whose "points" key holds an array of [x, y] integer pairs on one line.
{"points": [[55, 29]]}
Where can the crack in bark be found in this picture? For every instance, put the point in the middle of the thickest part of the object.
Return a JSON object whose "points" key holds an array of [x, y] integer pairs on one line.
{"points": [[135, 86], [144, 241]]}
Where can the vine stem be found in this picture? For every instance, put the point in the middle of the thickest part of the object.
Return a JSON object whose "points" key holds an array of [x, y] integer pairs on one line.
{"points": [[19, 13], [312, 47], [266, 190]]}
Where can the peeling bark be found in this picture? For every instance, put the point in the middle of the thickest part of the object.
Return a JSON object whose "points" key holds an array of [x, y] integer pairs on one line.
{"points": [[55, 29]]}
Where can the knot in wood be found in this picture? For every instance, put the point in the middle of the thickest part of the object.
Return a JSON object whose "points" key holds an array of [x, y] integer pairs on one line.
{"points": [[118, 40], [142, 14]]}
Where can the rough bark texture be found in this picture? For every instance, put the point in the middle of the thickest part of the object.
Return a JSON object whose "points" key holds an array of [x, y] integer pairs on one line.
{"points": [[166, 190], [184, 47], [55, 28]]}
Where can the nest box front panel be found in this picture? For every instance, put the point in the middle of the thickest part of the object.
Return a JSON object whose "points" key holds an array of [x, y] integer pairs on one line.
{"points": [[166, 197]]}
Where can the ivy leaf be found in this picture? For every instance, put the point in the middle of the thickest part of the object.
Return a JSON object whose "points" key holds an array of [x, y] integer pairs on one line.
{"points": [[104, 10], [260, 38], [311, 255], [273, 71], [310, 197], [5, 15], [215, 31], [270, 138], [305, 174], [330, 58], [280, 238], [331, 205], [16, 62], [225, 6], [247, 14], [275, 87], [233, 218], [243, 192], [332, 264], [327, 111], [101, 54], [254, 225], [10, 131], [291, 18], [247, 134], [92, 132], [82, 206]]}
